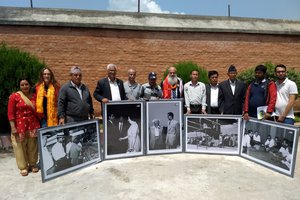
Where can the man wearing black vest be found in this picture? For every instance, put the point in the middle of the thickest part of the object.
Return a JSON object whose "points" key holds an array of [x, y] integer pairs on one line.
{"points": [[261, 92]]}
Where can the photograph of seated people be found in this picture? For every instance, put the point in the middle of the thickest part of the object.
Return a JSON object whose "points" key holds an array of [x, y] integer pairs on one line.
{"points": [[270, 144]]}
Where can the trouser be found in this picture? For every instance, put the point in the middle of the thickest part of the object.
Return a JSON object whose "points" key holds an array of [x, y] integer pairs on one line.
{"points": [[70, 119], [196, 109], [214, 110], [26, 152]]}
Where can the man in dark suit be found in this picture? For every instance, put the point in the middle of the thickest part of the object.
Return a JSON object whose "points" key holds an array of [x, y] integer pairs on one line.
{"points": [[110, 88], [212, 93], [122, 132], [112, 135], [232, 94]]}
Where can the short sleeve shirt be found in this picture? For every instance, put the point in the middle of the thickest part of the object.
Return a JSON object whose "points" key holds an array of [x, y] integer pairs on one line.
{"points": [[284, 90]]}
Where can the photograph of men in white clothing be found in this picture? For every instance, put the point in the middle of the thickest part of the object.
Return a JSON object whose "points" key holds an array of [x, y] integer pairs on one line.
{"points": [[164, 126], [69, 147], [268, 149]]}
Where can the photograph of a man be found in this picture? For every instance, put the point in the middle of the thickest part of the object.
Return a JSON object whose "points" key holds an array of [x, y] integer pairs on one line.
{"points": [[172, 139], [155, 136], [164, 126]]}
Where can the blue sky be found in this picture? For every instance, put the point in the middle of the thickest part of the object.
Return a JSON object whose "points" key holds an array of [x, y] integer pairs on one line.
{"points": [[273, 9]]}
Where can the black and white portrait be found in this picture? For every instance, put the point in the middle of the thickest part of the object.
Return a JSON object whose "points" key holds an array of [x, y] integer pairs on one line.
{"points": [[123, 126], [164, 126], [212, 134], [271, 144], [69, 147]]}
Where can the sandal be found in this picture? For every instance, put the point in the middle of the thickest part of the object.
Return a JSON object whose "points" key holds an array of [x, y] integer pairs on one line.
{"points": [[34, 169], [24, 172]]}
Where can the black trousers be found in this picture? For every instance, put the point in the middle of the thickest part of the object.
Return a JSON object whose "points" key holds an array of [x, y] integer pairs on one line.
{"points": [[214, 110]]}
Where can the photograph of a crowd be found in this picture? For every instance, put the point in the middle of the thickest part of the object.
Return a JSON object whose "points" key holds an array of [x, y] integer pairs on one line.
{"points": [[217, 134], [69, 147], [123, 129], [164, 126], [271, 144]]}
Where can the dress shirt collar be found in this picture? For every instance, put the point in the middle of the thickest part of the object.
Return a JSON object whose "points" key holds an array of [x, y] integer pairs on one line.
{"points": [[74, 85]]}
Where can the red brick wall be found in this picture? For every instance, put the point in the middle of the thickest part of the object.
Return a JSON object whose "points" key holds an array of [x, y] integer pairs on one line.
{"points": [[93, 49]]}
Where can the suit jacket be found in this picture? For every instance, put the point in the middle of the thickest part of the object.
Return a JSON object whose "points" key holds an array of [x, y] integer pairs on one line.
{"points": [[208, 107], [103, 90], [229, 103]]}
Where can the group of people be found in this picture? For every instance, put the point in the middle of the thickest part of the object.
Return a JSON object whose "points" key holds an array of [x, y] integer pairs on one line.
{"points": [[28, 110], [231, 96], [49, 104], [280, 149]]}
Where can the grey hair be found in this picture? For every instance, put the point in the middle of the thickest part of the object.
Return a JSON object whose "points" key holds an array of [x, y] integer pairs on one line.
{"points": [[111, 65], [155, 120]]}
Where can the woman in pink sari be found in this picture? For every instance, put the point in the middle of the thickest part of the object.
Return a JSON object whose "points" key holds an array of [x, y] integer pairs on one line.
{"points": [[24, 125]]}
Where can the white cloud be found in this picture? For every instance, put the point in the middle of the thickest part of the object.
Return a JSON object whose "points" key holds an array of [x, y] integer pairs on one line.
{"points": [[132, 5]]}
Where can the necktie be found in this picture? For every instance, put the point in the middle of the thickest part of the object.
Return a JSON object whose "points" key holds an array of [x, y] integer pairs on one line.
{"points": [[174, 93]]}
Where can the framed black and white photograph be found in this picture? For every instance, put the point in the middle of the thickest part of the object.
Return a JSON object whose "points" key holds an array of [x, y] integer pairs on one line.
{"points": [[123, 129], [216, 134], [271, 144], [164, 126], [69, 147]]}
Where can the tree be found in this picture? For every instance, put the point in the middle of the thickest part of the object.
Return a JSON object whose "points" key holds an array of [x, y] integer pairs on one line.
{"points": [[13, 65]]}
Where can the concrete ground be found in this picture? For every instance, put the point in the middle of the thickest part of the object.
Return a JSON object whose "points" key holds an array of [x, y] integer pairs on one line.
{"points": [[174, 176]]}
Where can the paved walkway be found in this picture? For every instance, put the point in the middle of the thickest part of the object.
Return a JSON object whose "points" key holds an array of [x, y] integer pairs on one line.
{"points": [[176, 176]]}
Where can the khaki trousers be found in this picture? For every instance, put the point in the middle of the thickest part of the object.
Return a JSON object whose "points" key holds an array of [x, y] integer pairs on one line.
{"points": [[26, 152]]}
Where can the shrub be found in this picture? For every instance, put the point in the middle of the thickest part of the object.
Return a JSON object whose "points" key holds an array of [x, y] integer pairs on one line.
{"points": [[14, 64], [184, 69], [249, 75]]}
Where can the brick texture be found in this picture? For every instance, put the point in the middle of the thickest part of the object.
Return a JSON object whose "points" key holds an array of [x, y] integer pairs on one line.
{"points": [[92, 49]]}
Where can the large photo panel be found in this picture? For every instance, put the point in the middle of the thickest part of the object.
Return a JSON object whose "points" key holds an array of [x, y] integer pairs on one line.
{"points": [[271, 144], [123, 129], [164, 126], [216, 134], [69, 147]]}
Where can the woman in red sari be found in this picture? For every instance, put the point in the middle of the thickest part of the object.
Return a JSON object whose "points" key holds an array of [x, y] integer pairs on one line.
{"points": [[24, 125], [46, 101]]}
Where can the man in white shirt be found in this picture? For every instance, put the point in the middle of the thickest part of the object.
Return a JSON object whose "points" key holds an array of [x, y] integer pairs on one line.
{"points": [[212, 93], [155, 136], [59, 154], [287, 93], [110, 88], [246, 141], [269, 143], [256, 140], [195, 95]]}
